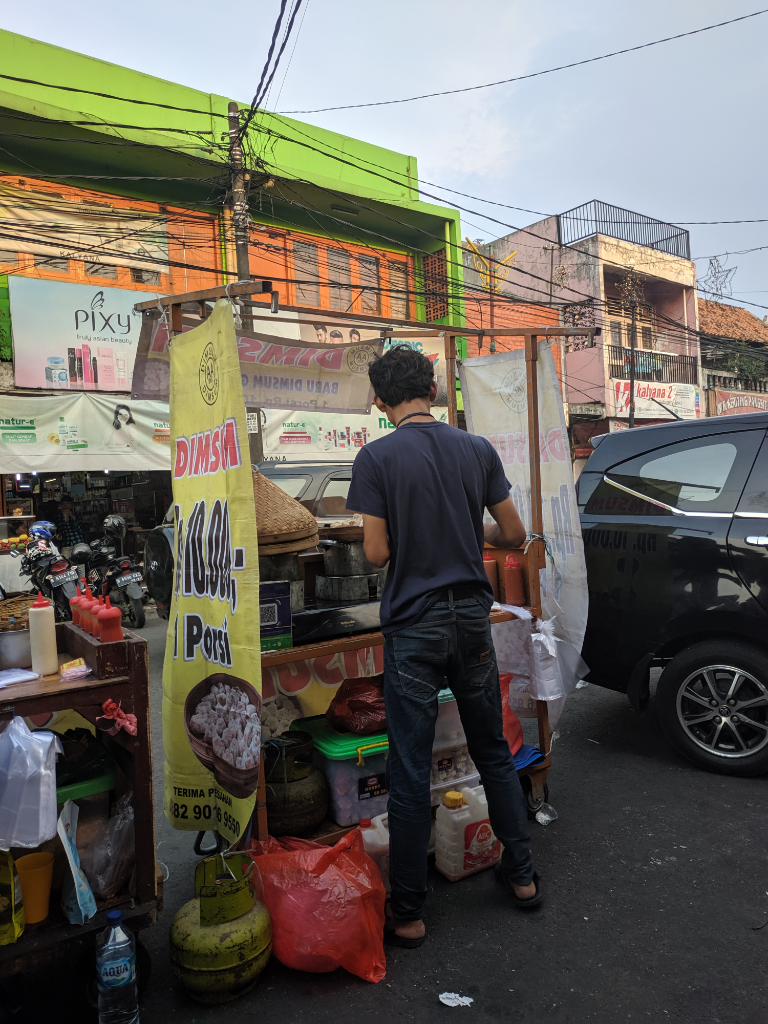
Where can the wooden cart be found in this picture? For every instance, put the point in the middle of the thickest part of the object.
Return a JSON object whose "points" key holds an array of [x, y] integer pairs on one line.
{"points": [[120, 671], [535, 555]]}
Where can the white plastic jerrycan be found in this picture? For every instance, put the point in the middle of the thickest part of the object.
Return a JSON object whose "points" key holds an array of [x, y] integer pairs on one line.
{"points": [[465, 840], [375, 833]]}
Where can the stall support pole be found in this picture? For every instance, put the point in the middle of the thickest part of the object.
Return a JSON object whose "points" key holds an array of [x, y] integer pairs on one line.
{"points": [[537, 551], [450, 369]]}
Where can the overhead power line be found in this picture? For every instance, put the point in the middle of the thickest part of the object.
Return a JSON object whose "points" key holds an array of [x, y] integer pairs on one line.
{"points": [[534, 74]]}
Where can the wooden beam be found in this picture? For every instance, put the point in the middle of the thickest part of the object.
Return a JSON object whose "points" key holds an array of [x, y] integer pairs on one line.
{"points": [[450, 369]]}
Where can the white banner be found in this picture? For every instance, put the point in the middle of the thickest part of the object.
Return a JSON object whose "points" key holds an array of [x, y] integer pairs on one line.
{"points": [[82, 432], [326, 437], [495, 403]]}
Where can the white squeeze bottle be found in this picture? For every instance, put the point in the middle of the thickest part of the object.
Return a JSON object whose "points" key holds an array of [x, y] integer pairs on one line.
{"points": [[116, 972], [465, 843], [375, 832], [42, 637]]}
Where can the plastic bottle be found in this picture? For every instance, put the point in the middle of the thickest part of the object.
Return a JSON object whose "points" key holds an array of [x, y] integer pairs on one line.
{"points": [[514, 585], [109, 623], [116, 973], [464, 841], [74, 604], [42, 637], [492, 572], [87, 606], [95, 612], [375, 832]]}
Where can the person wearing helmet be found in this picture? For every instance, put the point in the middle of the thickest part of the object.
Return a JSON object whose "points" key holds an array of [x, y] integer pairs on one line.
{"points": [[69, 528]]}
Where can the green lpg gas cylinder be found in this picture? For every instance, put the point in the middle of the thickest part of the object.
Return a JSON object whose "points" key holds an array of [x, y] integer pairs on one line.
{"points": [[222, 939]]}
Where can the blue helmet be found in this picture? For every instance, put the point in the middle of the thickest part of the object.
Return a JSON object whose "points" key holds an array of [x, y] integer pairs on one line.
{"points": [[42, 529]]}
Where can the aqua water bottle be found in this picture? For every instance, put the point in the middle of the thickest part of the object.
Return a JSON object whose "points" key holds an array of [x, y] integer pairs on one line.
{"points": [[116, 973]]}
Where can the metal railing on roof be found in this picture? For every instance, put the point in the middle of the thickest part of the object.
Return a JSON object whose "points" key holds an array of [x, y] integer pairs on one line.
{"points": [[653, 366], [597, 218]]}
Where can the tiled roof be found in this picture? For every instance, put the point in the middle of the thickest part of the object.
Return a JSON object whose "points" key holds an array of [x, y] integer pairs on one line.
{"points": [[724, 321]]}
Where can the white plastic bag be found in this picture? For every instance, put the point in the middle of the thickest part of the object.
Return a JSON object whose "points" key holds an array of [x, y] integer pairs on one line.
{"points": [[27, 785], [114, 852], [557, 665]]}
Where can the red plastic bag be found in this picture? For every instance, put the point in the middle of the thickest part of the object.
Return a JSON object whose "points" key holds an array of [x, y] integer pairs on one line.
{"points": [[513, 730], [326, 904], [359, 706]]}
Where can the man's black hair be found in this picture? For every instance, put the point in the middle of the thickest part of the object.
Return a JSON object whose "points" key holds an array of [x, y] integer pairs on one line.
{"points": [[321, 327], [401, 375], [354, 331], [337, 334]]}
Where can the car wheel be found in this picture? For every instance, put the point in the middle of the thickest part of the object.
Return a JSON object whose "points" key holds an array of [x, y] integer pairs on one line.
{"points": [[712, 702]]}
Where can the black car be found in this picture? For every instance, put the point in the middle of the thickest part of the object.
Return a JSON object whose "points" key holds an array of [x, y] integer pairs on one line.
{"points": [[675, 526], [322, 487]]}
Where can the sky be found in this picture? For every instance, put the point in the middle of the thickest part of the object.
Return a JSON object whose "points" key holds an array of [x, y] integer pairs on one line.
{"points": [[676, 131]]}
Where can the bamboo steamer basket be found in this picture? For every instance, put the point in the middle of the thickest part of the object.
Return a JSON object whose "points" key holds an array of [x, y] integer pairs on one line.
{"points": [[282, 523]]}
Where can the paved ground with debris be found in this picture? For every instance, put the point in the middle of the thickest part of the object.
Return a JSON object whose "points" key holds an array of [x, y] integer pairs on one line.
{"points": [[655, 877]]}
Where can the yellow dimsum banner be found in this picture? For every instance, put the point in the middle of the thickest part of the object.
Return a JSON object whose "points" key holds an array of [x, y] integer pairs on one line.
{"points": [[212, 669]]}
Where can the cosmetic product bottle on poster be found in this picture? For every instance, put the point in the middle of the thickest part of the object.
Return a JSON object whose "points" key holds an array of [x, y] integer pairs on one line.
{"points": [[72, 367], [87, 368], [121, 374], [106, 377], [95, 365], [79, 355]]}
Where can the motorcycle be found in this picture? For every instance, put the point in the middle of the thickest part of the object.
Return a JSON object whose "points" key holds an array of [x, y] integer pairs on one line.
{"points": [[50, 574], [116, 575]]}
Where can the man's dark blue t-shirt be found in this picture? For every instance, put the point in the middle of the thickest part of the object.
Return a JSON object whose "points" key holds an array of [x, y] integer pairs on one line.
{"points": [[431, 482]]}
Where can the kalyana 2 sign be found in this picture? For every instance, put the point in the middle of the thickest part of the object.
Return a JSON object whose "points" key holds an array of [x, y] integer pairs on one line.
{"points": [[73, 337]]}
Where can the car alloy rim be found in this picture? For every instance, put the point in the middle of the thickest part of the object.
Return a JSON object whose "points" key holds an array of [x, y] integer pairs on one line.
{"points": [[724, 710]]}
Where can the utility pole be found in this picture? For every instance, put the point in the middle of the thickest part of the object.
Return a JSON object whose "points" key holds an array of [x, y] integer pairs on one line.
{"points": [[241, 222], [632, 341], [239, 201], [491, 289]]}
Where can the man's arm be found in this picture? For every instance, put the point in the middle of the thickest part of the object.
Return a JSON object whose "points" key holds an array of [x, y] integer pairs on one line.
{"points": [[508, 531], [376, 540]]}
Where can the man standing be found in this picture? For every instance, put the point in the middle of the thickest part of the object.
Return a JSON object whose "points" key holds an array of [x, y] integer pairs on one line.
{"points": [[422, 491], [69, 528]]}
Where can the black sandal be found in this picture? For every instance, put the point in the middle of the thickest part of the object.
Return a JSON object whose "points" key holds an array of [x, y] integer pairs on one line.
{"points": [[522, 904], [391, 938]]}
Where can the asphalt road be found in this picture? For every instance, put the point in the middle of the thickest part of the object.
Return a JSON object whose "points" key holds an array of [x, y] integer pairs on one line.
{"points": [[656, 891]]}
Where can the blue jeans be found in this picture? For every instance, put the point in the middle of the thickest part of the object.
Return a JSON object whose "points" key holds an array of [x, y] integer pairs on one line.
{"points": [[453, 640]]}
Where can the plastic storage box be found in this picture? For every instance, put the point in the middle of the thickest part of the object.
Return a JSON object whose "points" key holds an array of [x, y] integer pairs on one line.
{"points": [[356, 790]]}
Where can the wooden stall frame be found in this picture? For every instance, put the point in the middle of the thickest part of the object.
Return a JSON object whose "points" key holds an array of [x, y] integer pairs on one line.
{"points": [[536, 558]]}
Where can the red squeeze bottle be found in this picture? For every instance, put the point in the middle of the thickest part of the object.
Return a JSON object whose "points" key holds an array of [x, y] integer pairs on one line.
{"points": [[74, 604], [514, 585], [109, 623], [96, 624], [492, 572], [86, 610]]}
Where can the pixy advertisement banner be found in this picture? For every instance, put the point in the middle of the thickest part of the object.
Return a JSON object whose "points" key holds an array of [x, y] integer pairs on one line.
{"points": [[496, 406], [73, 337], [212, 669], [276, 372]]}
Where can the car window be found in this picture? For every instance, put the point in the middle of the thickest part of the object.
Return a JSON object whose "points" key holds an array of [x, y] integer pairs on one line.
{"points": [[292, 485], [755, 496], [705, 474], [334, 497]]}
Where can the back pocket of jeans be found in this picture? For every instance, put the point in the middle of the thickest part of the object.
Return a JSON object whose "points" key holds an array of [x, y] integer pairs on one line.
{"points": [[421, 664], [479, 653]]}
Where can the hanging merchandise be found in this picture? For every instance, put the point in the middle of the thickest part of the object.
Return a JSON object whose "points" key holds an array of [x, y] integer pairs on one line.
{"points": [[77, 900], [114, 852], [27, 785], [212, 669], [495, 403], [326, 904]]}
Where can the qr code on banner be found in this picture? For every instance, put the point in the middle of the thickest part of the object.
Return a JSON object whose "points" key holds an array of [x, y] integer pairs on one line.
{"points": [[269, 615]]}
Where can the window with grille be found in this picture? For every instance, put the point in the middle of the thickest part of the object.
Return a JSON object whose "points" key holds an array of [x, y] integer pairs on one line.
{"points": [[647, 337], [615, 332], [339, 279], [8, 258], [399, 307], [435, 286], [145, 276], [306, 273], [369, 283], [49, 263], [100, 270]]}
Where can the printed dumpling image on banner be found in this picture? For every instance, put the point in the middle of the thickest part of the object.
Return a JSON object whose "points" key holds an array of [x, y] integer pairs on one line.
{"points": [[212, 669]]}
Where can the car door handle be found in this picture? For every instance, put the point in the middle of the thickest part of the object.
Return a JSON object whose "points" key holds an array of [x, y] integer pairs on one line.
{"points": [[757, 542]]}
